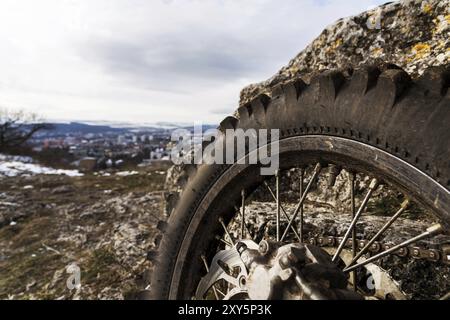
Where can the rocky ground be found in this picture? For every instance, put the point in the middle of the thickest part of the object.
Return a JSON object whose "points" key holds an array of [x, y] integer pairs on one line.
{"points": [[104, 223]]}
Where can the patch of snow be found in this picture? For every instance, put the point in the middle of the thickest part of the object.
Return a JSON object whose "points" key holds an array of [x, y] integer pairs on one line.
{"points": [[126, 173], [28, 187], [12, 166], [12, 223], [24, 159]]}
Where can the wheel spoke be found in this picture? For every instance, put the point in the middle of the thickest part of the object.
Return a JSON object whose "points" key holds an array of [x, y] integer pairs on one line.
{"points": [[207, 270], [373, 185], [302, 174], [433, 230], [243, 219], [221, 293], [224, 241], [226, 231], [352, 195], [305, 193], [445, 297], [382, 230], [277, 190], [282, 210], [243, 214]]}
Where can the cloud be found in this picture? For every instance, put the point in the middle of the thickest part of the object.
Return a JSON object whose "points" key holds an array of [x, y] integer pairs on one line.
{"points": [[173, 62], [160, 60]]}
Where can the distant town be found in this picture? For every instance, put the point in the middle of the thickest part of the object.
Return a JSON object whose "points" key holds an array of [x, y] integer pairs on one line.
{"points": [[92, 147]]}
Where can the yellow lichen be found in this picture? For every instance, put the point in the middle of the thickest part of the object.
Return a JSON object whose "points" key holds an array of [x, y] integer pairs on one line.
{"points": [[426, 7], [377, 52], [333, 46], [420, 50], [294, 70], [447, 18]]}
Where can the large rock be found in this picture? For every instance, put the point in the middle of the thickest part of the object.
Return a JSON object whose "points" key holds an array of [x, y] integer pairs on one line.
{"points": [[411, 34]]}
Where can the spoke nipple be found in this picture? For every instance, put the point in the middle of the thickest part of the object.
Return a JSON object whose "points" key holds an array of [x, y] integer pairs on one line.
{"points": [[318, 167], [221, 220], [405, 204], [373, 183], [437, 228]]}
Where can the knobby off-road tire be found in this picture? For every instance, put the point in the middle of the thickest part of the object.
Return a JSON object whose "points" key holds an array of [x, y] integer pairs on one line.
{"points": [[379, 107]]}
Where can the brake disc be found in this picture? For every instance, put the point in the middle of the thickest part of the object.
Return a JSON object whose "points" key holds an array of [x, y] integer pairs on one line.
{"points": [[224, 262]]}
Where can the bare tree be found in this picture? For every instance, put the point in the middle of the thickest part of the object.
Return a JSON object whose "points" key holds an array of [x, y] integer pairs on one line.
{"points": [[17, 127]]}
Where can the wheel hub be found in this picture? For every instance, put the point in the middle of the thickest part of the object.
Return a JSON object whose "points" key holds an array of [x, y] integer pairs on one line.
{"points": [[275, 271]]}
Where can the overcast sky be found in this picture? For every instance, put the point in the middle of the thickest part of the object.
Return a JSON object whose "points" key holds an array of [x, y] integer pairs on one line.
{"points": [[150, 60]]}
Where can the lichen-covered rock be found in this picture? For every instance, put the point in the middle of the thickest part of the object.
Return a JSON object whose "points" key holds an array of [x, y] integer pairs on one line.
{"points": [[411, 34]]}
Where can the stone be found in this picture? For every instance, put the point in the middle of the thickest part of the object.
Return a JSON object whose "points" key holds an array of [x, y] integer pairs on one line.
{"points": [[411, 34], [62, 189], [88, 164]]}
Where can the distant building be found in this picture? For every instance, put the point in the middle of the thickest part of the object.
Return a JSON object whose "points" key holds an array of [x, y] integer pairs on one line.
{"points": [[121, 139]]}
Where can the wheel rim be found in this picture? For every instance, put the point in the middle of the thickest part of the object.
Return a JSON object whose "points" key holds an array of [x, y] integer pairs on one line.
{"points": [[300, 151]]}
